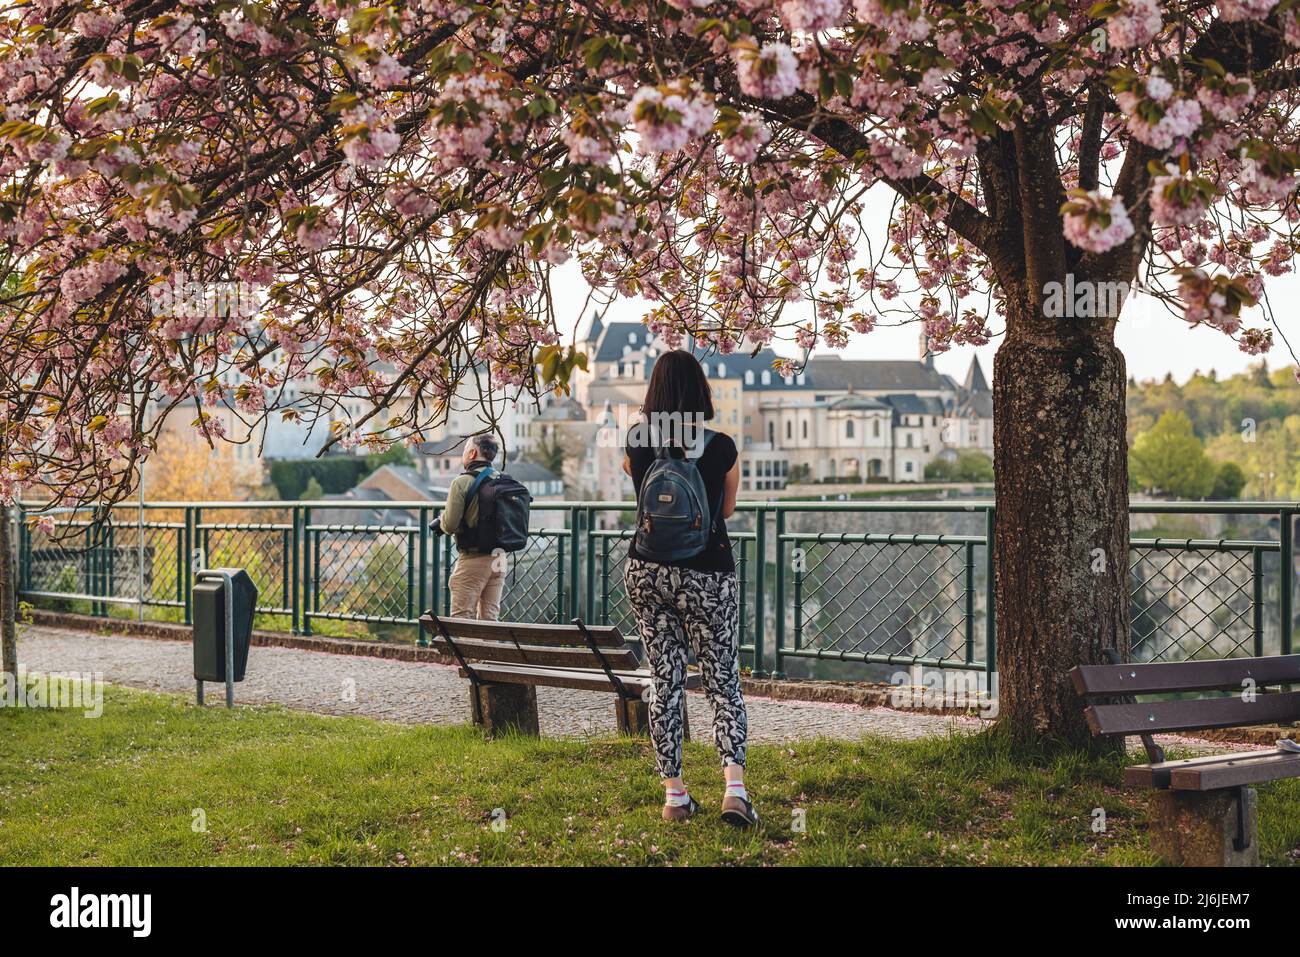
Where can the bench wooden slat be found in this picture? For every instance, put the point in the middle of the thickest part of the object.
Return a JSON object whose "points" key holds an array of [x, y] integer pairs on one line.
{"points": [[581, 679], [543, 655], [1238, 770], [1154, 717], [1162, 677], [560, 636], [1157, 774]]}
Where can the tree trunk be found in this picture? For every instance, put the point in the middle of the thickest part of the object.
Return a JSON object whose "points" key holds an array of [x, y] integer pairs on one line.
{"points": [[8, 600], [1061, 531]]}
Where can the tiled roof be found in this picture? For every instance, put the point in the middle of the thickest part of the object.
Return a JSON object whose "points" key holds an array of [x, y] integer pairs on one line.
{"points": [[909, 404], [870, 374]]}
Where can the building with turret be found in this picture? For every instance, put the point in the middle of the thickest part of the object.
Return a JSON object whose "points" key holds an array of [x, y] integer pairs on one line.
{"points": [[834, 420]]}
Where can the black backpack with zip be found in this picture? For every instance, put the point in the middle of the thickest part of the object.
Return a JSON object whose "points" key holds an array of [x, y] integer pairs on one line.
{"points": [[503, 507]]}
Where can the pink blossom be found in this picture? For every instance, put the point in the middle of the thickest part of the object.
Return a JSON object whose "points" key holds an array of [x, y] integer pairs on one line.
{"points": [[750, 134], [1234, 11], [1136, 24], [1096, 223], [1172, 205], [811, 16], [1181, 118], [668, 118], [768, 73]]}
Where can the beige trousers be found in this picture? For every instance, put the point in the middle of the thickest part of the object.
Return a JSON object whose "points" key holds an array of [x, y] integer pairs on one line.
{"points": [[476, 586]]}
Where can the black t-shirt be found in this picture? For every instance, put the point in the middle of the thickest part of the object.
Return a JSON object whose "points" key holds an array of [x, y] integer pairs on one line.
{"points": [[716, 461]]}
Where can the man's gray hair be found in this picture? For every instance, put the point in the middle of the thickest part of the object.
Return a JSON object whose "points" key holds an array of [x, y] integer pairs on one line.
{"points": [[487, 447]]}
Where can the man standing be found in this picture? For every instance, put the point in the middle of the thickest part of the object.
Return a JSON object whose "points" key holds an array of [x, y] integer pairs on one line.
{"points": [[478, 577]]}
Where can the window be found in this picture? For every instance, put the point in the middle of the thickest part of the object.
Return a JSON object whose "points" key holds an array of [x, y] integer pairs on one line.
{"points": [[789, 429], [805, 428], [767, 377], [771, 432], [749, 377], [800, 378], [705, 367], [909, 440], [722, 370], [875, 428], [907, 467], [631, 337], [848, 429]]}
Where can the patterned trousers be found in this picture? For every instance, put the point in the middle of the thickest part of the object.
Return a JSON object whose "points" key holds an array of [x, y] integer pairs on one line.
{"points": [[674, 606]]}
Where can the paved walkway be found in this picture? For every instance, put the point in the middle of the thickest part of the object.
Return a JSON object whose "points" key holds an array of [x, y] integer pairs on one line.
{"points": [[420, 692]]}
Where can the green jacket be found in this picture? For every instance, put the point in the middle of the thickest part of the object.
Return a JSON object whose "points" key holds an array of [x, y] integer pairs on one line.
{"points": [[455, 513]]}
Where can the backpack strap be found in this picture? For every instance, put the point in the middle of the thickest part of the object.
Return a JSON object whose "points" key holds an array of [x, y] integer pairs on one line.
{"points": [[483, 474]]}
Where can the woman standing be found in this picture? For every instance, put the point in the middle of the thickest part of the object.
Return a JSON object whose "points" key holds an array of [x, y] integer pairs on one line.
{"points": [[688, 599]]}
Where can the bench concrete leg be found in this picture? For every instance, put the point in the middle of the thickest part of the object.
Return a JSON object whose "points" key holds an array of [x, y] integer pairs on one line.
{"points": [[1200, 828], [503, 708], [633, 717]]}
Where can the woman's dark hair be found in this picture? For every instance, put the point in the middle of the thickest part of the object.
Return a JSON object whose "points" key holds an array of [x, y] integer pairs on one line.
{"points": [[678, 384]]}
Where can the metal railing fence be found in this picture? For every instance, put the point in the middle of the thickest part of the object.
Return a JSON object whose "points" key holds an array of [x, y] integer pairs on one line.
{"points": [[827, 588]]}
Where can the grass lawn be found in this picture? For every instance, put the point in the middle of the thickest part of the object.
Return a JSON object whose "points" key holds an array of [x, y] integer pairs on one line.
{"points": [[283, 787]]}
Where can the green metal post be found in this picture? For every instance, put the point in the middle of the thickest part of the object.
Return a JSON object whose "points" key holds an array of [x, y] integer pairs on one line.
{"points": [[295, 586], [779, 593], [559, 581], [422, 570], [410, 575], [315, 573], [1257, 599], [307, 571], [575, 556], [760, 590], [194, 516], [970, 603], [990, 609], [1287, 572], [604, 581], [284, 567], [589, 552], [180, 565]]}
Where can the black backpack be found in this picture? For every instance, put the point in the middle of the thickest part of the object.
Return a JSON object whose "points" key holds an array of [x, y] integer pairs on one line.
{"points": [[503, 506], [674, 517]]}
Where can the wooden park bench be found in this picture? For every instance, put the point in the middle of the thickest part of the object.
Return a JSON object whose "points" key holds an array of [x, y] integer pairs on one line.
{"points": [[507, 661], [1204, 812]]}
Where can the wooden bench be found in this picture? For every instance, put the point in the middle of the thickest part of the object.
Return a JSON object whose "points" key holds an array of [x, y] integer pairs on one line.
{"points": [[1204, 812], [507, 661]]}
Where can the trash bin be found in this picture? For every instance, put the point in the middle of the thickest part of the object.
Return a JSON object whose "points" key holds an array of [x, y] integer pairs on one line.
{"points": [[210, 623]]}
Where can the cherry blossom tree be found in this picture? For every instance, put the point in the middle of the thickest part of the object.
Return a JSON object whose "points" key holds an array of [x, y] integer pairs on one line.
{"points": [[399, 182]]}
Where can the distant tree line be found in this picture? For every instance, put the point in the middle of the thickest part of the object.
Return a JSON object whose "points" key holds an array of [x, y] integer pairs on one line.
{"points": [[329, 475], [1213, 438]]}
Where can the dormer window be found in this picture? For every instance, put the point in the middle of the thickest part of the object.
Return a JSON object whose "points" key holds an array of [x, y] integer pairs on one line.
{"points": [[749, 377], [631, 337], [722, 370], [767, 377]]}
